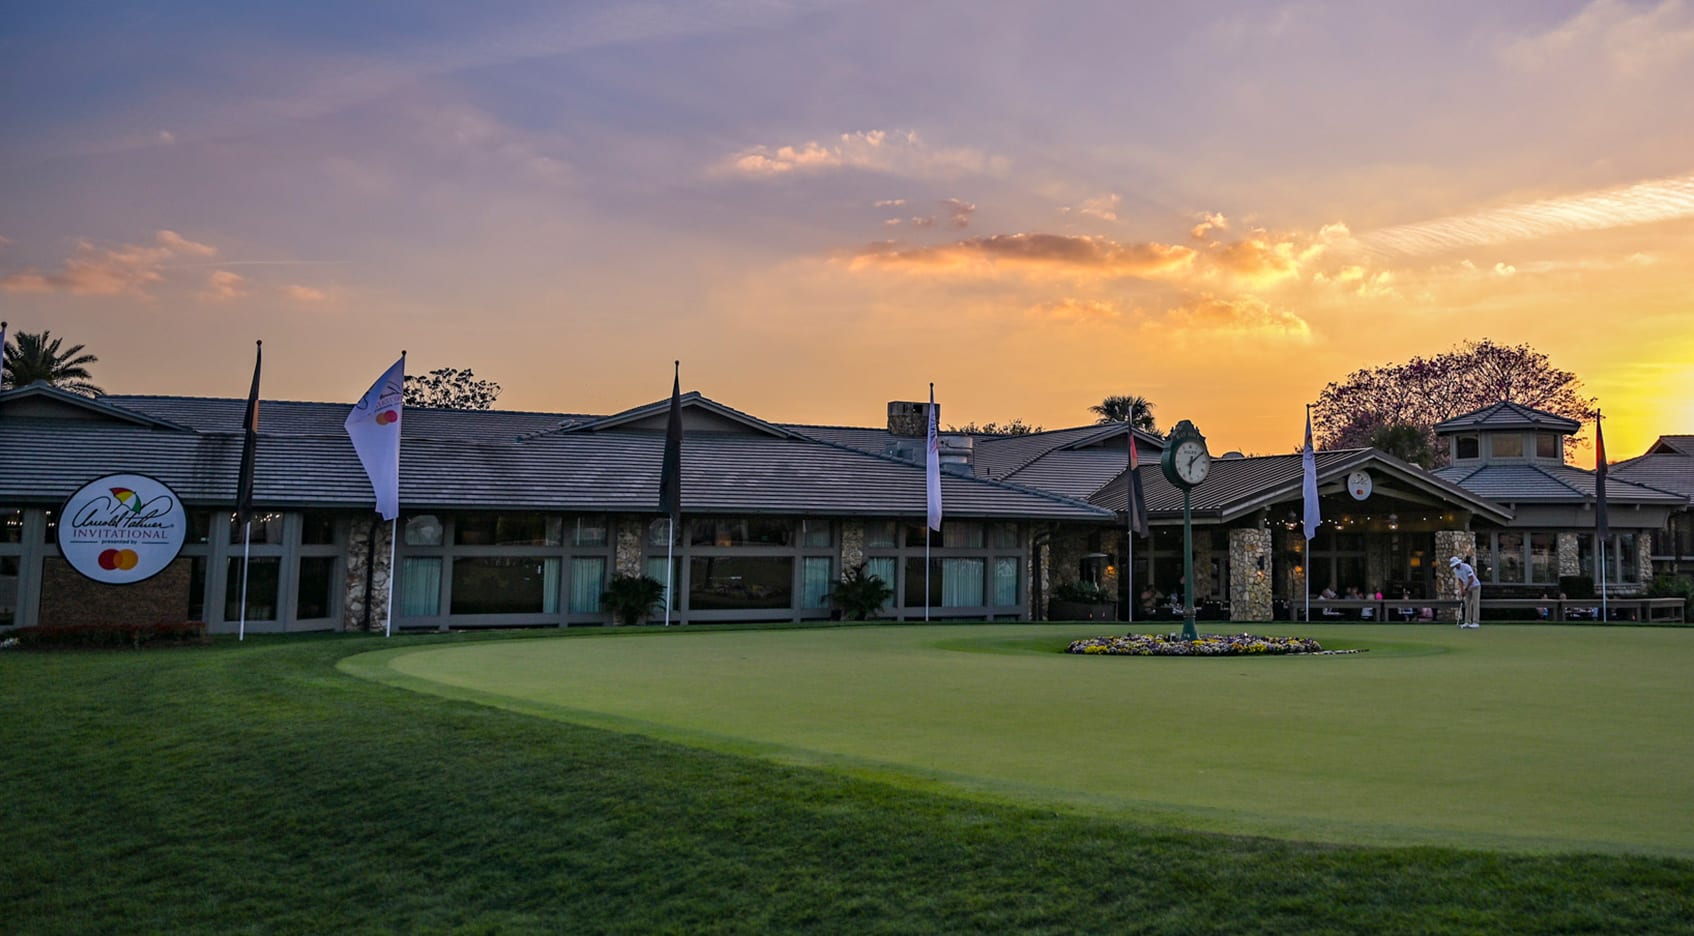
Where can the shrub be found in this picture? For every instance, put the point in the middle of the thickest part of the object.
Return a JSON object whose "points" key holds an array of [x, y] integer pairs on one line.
{"points": [[111, 635], [1082, 593], [632, 597], [860, 595], [1668, 585]]}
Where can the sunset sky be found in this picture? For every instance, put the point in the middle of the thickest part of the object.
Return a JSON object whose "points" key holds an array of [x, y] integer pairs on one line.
{"points": [[820, 207]]}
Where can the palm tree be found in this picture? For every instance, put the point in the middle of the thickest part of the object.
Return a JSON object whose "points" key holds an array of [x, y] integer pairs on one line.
{"points": [[1135, 410], [37, 357]]}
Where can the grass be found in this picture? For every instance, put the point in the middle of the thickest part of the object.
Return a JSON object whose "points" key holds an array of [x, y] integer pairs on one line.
{"points": [[256, 788]]}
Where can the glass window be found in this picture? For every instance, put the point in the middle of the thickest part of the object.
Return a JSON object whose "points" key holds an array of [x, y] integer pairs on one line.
{"points": [[961, 583], [917, 581], [197, 587], [588, 581], [589, 531], [815, 581], [505, 585], [816, 532], [1585, 555], [656, 531], [741, 531], [1547, 445], [506, 529], [420, 586], [1003, 535], [882, 567], [1465, 446], [266, 527], [1005, 582], [262, 577], [954, 534], [317, 528], [314, 592], [656, 572], [1510, 559], [1484, 564], [1544, 558], [879, 534], [423, 530], [8, 590], [11, 525], [1628, 560], [1506, 445], [199, 526], [737, 582]]}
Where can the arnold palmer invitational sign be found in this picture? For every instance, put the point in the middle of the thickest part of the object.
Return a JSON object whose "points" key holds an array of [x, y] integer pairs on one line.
{"points": [[122, 529]]}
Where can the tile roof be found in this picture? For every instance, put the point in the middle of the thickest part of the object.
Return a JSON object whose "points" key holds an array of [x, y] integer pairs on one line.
{"points": [[1673, 444], [1507, 415], [1668, 472], [288, 417], [1550, 484]]}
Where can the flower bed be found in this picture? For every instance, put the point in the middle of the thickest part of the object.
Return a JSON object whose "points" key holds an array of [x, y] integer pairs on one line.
{"points": [[1203, 645]]}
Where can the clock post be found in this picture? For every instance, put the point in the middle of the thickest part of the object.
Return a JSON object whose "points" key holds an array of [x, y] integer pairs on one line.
{"points": [[1186, 463]]}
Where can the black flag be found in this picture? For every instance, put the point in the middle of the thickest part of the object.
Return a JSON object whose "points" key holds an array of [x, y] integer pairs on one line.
{"points": [[670, 476], [1602, 528], [249, 447]]}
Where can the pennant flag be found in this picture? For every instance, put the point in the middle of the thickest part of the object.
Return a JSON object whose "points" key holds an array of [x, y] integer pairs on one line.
{"points": [[249, 446], [2, 354], [932, 465], [670, 475], [1602, 528], [1309, 469], [1137, 502], [374, 427]]}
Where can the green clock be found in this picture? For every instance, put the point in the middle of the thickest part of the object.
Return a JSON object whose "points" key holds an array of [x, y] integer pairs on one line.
{"points": [[1186, 462]]}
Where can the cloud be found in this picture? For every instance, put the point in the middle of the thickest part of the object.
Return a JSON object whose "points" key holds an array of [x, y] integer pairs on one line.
{"points": [[305, 293], [1104, 207], [1031, 254], [223, 285], [1241, 315], [1258, 259], [128, 269], [1208, 222], [894, 152], [958, 212], [889, 203], [1642, 203], [1075, 310], [1632, 40]]}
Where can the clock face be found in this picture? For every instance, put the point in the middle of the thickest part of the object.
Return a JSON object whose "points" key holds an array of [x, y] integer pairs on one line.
{"points": [[1359, 484], [1193, 462]]}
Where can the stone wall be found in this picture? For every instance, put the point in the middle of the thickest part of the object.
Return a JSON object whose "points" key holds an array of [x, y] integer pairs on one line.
{"points": [[353, 586], [1570, 556], [630, 549], [852, 544], [1644, 560], [1450, 543], [1249, 574], [70, 598]]}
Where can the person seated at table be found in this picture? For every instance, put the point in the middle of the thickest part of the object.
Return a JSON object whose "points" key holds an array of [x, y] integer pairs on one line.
{"points": [[1328, 593], [1544, 612], [1149, 599]]}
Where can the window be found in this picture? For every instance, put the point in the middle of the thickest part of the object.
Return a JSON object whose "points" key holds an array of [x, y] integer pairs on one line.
{"points": [[816, 581], [262, 580], [11, 525], [317, 528], [1003, 535], [953, 583], [420, 586], [1005, 582], [588, 531], [505, 585], [314, 591], [879, 534], [8, 590], [423, 530], [954, 534], [1544, 558], [740, 531], [740, 582], [506, 529], [588, 581], [816, 532], [1506, 445], [1465, 446], [266, 529], [1547, 445], [882, 567], [656, 572], [1510, 558]]}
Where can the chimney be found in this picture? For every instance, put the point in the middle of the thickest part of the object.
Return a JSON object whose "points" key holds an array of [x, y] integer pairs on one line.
{"points": [[910, 419]]}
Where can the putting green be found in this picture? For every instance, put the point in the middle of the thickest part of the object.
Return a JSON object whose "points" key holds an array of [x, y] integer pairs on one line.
{"points": [[1516, 737]]}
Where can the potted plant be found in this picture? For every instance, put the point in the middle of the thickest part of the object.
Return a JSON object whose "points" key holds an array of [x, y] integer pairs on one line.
{"points": [[1081, 601], [631, 597], [859, 594]]}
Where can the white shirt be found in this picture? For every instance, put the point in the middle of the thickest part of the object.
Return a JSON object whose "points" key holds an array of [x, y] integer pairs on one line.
{"points": [[1467, 575]]}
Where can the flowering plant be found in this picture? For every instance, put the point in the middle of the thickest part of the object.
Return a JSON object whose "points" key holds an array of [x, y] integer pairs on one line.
{"points": [[1203, 645]]}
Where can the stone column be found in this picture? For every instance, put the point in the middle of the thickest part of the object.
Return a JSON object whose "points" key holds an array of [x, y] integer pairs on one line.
{"points": [[852, 544], [1204, 587], [1644, 560], [1570, 556], [631, 535], [1450, 543], [353, 591], [1249, 574]]}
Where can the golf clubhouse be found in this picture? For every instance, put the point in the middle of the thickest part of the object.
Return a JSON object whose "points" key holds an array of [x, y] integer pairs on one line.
{"points": [[516, 519]]}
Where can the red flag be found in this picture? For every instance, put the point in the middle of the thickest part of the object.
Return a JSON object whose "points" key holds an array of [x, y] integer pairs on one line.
{"points": [[1602, 528], [1137, 504]]}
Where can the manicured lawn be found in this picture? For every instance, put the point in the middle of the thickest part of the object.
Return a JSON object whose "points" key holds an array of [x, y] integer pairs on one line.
{"points": [[1530, 738], [255, 788]]}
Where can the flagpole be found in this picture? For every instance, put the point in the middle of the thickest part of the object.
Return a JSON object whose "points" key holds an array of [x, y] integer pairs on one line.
{"points": [[1603, 616], [926, 574], [246, 547], [670, 567], [388, 602]]}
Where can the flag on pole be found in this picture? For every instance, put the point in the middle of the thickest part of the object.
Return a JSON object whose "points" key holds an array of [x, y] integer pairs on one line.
{"points": [[249, 446], [2, 354], [1309, 487], [670, 475], [374, 427], [932, 465], [1602, 528], [1137, 502]]}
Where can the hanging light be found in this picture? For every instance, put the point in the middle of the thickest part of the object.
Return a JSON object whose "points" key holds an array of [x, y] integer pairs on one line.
{"points": [[1394, 521]]}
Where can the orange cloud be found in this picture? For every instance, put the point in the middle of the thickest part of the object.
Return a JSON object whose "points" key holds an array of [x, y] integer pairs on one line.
{"points": [[305, 293], [128, 269], [898, 152], [1031, 254], [1207, 223], [223, 285], [1075, 310], [1245, 314]]}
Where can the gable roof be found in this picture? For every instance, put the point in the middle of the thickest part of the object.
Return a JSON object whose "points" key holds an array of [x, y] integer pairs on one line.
{"points": [[699, 413], [1009, 456], [1239, 486], [296, 418], [1672, 445], [1551, 484], [41, 400], [1508, 415]]}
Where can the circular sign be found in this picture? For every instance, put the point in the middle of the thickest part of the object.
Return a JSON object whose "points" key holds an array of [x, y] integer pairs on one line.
{"points": [[122, 529], [1359, 484]]}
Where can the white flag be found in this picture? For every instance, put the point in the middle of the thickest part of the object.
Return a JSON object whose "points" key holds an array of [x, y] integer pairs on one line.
{"points": [[932, 466], [374, 427], [1309, 468]]}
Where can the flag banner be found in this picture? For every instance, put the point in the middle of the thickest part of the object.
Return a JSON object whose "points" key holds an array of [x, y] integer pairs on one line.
{"points": [[249, 446], [932, 465], [374, 427], [2, 354], [1602, 526], [1137, 501], [670, 475], [1309, 487]]}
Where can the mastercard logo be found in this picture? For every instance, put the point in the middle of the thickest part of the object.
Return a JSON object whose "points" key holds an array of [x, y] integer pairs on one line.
{"points": [[387, 416], [120, 560]]}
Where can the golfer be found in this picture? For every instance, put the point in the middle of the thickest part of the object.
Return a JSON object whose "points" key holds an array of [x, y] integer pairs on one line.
{"points": [[1470, 593]]}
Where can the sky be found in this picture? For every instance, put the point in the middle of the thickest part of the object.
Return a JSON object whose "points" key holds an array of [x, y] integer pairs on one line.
{"points": [[819, 207]]}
